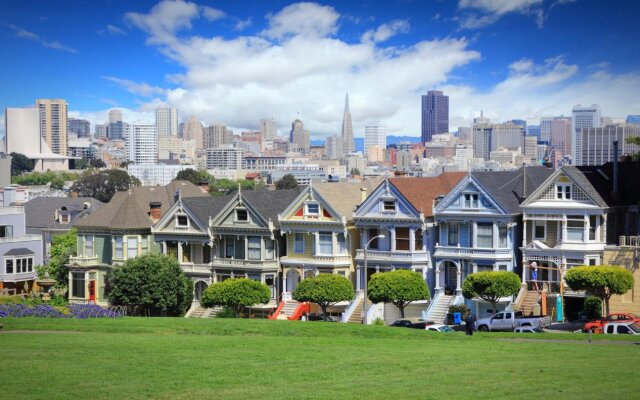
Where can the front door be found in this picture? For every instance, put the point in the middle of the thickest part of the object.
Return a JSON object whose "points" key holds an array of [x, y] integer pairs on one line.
{"points": [[293, 277], [451, 276], [92, 291]]}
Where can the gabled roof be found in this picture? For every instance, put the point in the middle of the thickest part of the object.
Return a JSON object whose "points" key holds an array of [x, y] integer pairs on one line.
{"points": [[345, 196], [421, 192], [40, 211], [508, 187], [269, 203], [205, 207], [130, 209]]}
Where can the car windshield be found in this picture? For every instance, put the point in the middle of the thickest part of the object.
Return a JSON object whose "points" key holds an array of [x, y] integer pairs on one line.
{"points": [[446, 329], [635, 328]]}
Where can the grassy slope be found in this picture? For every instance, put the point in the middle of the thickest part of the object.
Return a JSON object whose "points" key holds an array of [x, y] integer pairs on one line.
{"points": [[178, 358]]}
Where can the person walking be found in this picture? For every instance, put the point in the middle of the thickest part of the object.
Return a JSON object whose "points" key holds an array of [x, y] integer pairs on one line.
{"points": [[534, 275], [470, 321]]}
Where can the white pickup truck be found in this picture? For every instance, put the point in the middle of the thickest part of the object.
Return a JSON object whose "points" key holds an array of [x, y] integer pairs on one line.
{"points": [[509, 320]]}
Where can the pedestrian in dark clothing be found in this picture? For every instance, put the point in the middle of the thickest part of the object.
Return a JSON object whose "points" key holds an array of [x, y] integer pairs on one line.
{"points": [[470, 321]]}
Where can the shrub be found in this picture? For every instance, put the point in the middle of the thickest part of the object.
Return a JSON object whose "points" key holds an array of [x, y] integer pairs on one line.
{"points": [[400, 287], [236, 293], [593, 307], [227, 312], [324, 290]]}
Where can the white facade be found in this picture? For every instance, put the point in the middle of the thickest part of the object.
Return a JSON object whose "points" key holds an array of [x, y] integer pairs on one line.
{"points": [[333, 147], [355, 161], [216, 135], [142, 144], [464, 154], [167, 121], [156, 174], [375, 135], [582, 117], [597, 143], [545, 128], [224, 158], [53, 124], [268, 128], [176, 148]]}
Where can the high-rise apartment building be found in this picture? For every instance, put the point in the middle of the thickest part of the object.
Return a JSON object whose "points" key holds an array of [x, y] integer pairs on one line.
{"points": [[582, 117], [375, 135], [530, 149], [597, 143], [348, 144], [142, 144], [167, 121], [101, 130], [435, 114], [117, 128], [193, 130], [299, 137], [333, 147], [268, 128], [216, 135], [561, 136], [224, 157], [53, 124], [78, 127], [507, 135], [545, 129]]}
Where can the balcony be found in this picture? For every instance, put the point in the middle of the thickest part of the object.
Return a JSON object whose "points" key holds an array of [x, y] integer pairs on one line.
{"points": [[22, 238], [392, 256], [191, 268], [217, 262], [83, 261], [472, 253], [318, 260], [21, 277]]}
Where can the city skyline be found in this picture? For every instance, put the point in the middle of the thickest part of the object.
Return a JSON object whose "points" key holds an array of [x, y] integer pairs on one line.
{"points": [[186, 55]]}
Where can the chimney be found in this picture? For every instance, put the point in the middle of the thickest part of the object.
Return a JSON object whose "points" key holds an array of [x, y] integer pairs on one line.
{"points": [[615, 167], [74, 195], [204, 186], [9, 196], [155, 210], [363, 194]]}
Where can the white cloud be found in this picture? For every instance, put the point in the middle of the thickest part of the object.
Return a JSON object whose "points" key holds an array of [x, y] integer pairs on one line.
{"points": [[212, 14], [303, 19], [25, 34], [481, 13], [114, 30], [241, 24], [164, 19], [386, 31], [137, 88]]}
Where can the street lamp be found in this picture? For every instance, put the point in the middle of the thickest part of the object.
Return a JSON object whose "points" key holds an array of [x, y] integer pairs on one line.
{"points": [[364, 301]]}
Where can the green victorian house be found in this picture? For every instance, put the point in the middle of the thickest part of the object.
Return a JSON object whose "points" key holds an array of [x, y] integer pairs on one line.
{"points": [[118, 231]]}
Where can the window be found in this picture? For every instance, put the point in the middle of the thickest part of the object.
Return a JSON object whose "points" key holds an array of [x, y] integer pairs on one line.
{"points": [[254, 276], [502, 236], [326, 243], [145, 245], [563, 192], [610, 329], [452, 239], [485, 267], [312, 209], [402, 239], [242, 216], [118, 246], [172, 250], [298, 245], [592, 227], [229, 247], [186, 253], [88, 246], [341, 244], [623, 329], [77, 284], [539, 230], [8, 266], [389, 206], [484, 234], [419, 242], [471, 200], [374, 243], [6, 231], [239, 253], [575, 228], [206, 254], [182, 221], [269, 251], [255, 251], [132, 247]]}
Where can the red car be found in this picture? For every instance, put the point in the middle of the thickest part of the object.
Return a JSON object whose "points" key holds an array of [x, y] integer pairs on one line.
{"points": [[597, 325]]}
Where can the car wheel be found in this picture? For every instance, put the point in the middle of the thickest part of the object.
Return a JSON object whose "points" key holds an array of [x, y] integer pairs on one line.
{"points": [[483, 328]]}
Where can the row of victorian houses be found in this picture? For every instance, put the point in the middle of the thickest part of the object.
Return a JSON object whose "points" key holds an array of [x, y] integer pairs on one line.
{"points": [[444, 227]]}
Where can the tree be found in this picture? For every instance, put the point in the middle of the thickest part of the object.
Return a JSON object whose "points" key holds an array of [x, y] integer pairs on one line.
{"points": [[102, 185], [82, 163], [399, 287], [354, 172], [324, 290], [20, 164], [634, 140], [225, 186], [193, 176], [97, 163], [236, 293], [602, 281], [152, 284], [62, 247], [287, 182], [491, 286]]}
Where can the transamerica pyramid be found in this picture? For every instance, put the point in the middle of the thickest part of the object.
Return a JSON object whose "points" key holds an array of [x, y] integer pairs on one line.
{"points": [[348, 146]]}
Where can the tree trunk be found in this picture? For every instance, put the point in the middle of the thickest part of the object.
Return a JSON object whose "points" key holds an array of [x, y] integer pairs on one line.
{"points": [[401, 307], [324, 312], [606, 304], [494, 305]]}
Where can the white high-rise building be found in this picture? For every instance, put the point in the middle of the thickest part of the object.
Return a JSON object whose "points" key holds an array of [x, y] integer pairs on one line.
{"points": [[582, 117], [268, 128], [375, 135], [142, 144], [545, 128], [115, 116], [53, 124], [167, 121], [225, 157], [333, 147]]}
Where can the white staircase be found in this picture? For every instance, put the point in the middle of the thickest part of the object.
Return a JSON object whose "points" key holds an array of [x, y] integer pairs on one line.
{"points": [[197, 311], [440, 308], [290, 307]]}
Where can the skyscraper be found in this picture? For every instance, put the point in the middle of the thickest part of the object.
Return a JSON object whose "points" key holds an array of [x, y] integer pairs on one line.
{"points": [[117, 129], [435, 114], [582, 117], [374, 136], [78, 127], [53, 124], [167, 121], [193, 131], [561, 135], [299, 137], [216, 135], [348, 145], [597, 143], [333, 147], [269, 128], [142, 144]]}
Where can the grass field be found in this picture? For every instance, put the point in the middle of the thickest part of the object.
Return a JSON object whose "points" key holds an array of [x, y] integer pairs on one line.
{"points": [[163, 358]]}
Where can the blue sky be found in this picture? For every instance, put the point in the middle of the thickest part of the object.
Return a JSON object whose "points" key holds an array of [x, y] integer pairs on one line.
{"points": [[236, 62]]}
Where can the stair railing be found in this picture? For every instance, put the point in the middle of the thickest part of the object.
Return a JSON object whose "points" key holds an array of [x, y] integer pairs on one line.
{"points": [[353, 306]]}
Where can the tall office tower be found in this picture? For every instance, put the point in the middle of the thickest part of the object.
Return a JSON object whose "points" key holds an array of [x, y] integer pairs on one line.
{"points": [[53, 124], [167, 121], [435, 114], [115, 115], [142, 144], [348, 145], [507, 135], [561, 138], [268, 128], [193, 130], [545, 129], [597, 143], [299, 137], [481, 137], [216, 135], [582, 117], [375, 135], [78, 127], [530, 149], [117, 128], [101, 131], [333, 147]]}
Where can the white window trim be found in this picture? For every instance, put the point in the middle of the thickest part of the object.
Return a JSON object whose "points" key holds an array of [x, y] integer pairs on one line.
{"points": [[178, 226], [15, 264], [307, 213], [473, 198], [235, 216], [533, 230], [303, 243], [564, 191], [385, 211]]}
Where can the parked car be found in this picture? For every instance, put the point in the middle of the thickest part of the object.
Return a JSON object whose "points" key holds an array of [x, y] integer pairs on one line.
{"points": [[528, 329], [509, 320], [596, 325], [415, 323], [438, 328], [621, 328]]}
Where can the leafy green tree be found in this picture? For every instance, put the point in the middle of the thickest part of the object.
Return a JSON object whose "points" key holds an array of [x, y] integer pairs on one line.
{"points": [[225, 186], [491, 286], [193, 176], [354, 172], [287, 182], [82, 163], [602, 281], [152, 284], [62, 247], [20, 164], [593, 307], [97, 163], [324, 290], [235, 294], [400, 287], [102, 185]]}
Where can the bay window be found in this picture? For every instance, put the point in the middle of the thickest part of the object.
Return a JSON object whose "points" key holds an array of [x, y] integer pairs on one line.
{"points": [[298, 243], [118, 247], [132, 247], [402, 239], [575, 228], [255, 251], [341, 244], [269, 249], [452, 234], [484, 235], [77, 285], [325, 243], [88, 246]]}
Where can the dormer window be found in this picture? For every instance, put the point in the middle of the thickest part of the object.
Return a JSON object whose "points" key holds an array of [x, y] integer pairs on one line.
{"points": [[471, 200], [389, 206], [182, 221], [563, 191], [65, 218], [242, 215], [312, 209]]}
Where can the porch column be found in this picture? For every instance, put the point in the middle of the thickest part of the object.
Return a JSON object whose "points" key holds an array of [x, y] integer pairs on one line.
{"points": [[458, 278], [164, 247], [359, 278], [246, 247], [412, 239], [586, 229], [215, 276], [524, 232], [437, 287], [180, 252], [495, 236], [563, 224], [474, 230], [475, 267], [392, 238], [284, 279], [525, 270], [316, 244]]}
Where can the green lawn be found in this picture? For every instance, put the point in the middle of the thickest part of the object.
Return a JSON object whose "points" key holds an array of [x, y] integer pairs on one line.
{"points": [[164, 358]]}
